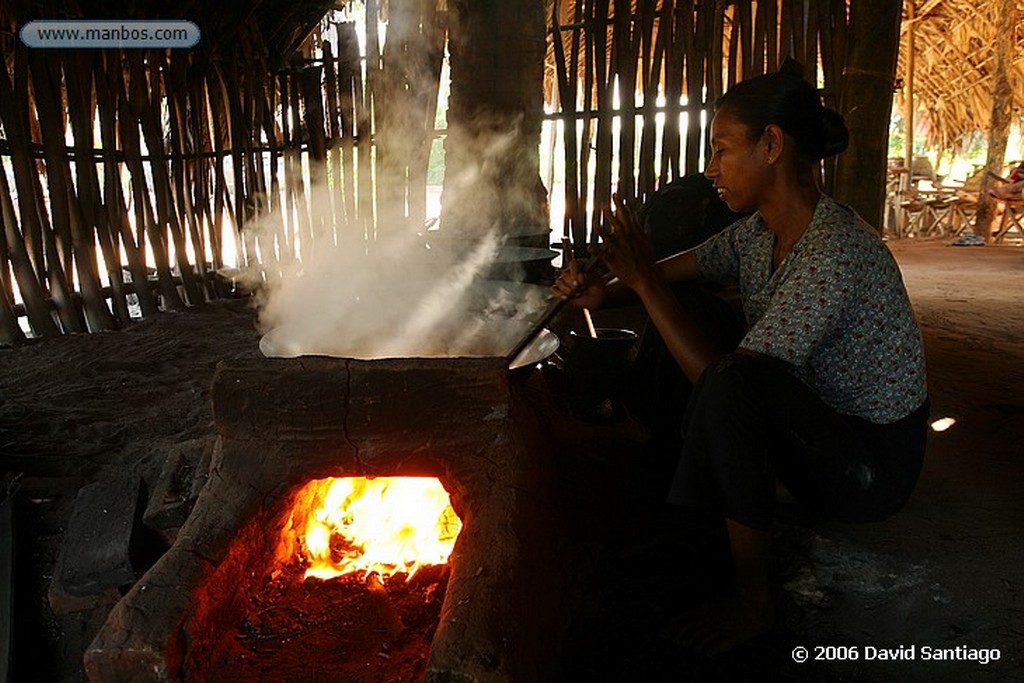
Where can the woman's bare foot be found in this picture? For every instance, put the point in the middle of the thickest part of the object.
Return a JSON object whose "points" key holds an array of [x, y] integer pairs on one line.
{"points": [[747, 611], [722, 624]]}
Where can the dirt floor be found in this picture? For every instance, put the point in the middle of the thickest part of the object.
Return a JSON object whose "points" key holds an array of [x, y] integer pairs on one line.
{"points": [[942, 578]]}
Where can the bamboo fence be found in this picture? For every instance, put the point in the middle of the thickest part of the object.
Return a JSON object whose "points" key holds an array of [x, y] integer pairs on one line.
{"points": [[174, 154], [128, 177]]}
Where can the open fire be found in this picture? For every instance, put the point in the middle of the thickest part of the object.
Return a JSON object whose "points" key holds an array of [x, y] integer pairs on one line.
{"points": [[387, 525]]}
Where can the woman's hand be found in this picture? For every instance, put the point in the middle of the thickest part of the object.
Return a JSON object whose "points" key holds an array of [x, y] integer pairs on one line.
{"points": [[581, 289], [626, 250]]}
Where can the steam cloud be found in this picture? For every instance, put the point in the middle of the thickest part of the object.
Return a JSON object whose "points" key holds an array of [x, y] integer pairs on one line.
{"points": [[402, 295]]}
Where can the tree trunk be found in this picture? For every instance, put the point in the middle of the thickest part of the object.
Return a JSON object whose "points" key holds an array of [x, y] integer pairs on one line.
{"points": [[1002, 101], [492, 164], [873, 45]]}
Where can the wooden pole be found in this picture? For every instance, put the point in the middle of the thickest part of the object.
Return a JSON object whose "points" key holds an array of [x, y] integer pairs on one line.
{"points": [[81, 110], [651, 78], [27, 275], [334, 195], [10, 333], [867, 85], [350, 95], [625, 47], [1002, 114], [219, 120], [130, 104], [908, 95], [168, 215], [603, 169], [566, 98], [588, 99], [367, 208], [63, 240], [117, 216], [32, 294]]}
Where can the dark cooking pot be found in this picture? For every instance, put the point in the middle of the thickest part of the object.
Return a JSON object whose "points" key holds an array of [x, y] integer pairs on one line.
{"points": [[598, 367], [526, 264]]}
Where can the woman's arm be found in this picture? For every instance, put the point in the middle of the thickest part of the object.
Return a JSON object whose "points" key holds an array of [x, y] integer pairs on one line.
{"points": [[680, 268], [684, 340], [608, 291], [629, 255]]}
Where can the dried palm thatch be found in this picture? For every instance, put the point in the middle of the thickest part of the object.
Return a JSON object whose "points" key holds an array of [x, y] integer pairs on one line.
{"points": [[954, 67]]}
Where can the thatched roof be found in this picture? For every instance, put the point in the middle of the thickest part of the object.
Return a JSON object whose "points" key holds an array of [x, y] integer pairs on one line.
{"points": [[954, 65]]}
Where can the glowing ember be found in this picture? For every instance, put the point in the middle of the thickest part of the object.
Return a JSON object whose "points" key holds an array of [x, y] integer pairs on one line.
{"points": [[387, 525]]}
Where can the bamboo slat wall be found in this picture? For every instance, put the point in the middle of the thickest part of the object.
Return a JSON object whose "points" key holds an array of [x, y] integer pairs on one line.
{"points": [[126, 176], [678, 57]]}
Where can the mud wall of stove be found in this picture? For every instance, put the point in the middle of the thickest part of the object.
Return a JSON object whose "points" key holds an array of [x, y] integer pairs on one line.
{"points": [[283, 422]]}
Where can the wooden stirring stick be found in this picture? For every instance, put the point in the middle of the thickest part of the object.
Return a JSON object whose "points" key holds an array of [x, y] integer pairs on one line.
{"points": [[550, 314]]}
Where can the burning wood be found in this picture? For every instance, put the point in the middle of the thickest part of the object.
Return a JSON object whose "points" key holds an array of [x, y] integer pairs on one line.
{"points": [[384, 525], [386, 609]]}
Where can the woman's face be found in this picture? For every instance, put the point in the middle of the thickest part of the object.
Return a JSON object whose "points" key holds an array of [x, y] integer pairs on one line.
{"points": [[738, 166]]}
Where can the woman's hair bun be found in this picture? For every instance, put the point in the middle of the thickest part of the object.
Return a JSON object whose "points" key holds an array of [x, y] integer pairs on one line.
{"points": [[785, 99], [835, 136]]}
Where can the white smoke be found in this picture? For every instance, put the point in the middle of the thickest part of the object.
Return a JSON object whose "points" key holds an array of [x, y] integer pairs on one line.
{"points": [[402, 295]]}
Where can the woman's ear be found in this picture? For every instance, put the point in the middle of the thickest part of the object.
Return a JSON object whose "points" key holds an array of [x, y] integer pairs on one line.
{"points": [[774, 140]]}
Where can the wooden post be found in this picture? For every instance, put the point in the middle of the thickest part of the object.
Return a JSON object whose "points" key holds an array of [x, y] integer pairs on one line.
{"points": [[334, 195], [40, 247], [10, 333], [565, 92], [908, 95], [603, 135], [167, 213], [623, 73], [651, 78], [81, 111], [350, 95], [497, 67], [866, 103], [1002, 102], [132, 100], [65, 243], [117, 216], [590, 61], [38, 310]]}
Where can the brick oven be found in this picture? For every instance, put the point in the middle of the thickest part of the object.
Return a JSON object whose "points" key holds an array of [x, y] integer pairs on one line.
{"points": [[285, 422]]}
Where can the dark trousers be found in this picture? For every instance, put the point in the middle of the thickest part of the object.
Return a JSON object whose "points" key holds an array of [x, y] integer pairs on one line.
{"points": [[749, 421]]}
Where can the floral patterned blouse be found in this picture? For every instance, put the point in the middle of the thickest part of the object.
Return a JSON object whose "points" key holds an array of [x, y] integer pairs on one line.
{"points": [[835, 309]]}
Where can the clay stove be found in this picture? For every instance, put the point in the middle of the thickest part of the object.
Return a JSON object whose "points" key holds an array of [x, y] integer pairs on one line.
{"points": [[285, 422]]}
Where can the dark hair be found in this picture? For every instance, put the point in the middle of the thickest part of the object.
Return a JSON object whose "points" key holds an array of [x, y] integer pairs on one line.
{"points": [[791, 103]]}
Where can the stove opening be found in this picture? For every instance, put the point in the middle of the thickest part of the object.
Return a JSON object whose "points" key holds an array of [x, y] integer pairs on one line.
{"points": [[391, 526], [342, 579]]}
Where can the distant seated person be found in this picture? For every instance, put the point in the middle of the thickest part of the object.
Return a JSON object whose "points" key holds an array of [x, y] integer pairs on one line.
{"points": [[684, 213], [681, 215], [1014, 187]]}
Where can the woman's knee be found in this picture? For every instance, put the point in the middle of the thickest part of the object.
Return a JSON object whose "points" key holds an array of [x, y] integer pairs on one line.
{"points": [[739, 378]]}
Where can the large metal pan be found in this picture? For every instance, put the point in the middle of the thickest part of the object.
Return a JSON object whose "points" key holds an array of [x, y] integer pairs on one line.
{"points": [[490, 320]]}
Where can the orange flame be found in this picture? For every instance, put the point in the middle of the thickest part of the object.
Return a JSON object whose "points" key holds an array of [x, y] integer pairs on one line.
{"points": [[386, 525]]}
